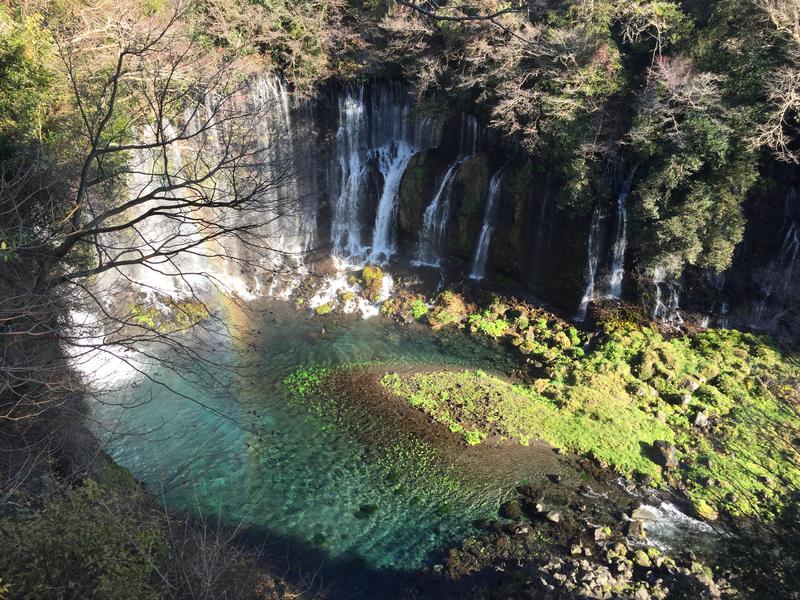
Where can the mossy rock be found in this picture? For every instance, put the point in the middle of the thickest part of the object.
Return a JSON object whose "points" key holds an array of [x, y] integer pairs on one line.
{"points": [[323, 309], [372, 275], [416, 190], [449, 309]]}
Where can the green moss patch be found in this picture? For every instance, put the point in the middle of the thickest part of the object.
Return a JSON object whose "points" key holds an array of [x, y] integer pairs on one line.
{"points": [[169, 316], [476, 405], [724, 403]]}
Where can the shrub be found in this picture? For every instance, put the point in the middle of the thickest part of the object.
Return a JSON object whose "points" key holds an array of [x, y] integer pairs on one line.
{"points": [[88, 542], [419, 309], [474, 437]]}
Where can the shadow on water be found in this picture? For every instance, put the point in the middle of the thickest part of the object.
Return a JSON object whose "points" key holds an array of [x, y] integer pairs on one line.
{"points": [[310, 568]]}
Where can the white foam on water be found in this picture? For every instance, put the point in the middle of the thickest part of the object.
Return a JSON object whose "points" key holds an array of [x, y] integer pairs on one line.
{"points": [[671, 529], [334, 286]]}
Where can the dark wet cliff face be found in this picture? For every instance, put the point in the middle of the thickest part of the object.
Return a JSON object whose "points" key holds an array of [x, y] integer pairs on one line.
{"points": [[386, 180]]}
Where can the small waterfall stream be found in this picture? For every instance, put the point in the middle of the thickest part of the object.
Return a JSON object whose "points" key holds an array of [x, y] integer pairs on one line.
{"points": [[351, 156], [778, 278], [478, 270], [392, 163], [667, 304], [594, 247], [435, 219], [437, 213], [620, 239]]}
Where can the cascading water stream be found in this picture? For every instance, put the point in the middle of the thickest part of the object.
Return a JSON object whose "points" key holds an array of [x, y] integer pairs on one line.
{"points": [[779, 276], [790, 250], [435, 220], [620, 239], [377, 135], [478, 270], [351, 153], [392, 163], [158, 236], [279, 234], [593, 244], [437, 213], [667, 304]]}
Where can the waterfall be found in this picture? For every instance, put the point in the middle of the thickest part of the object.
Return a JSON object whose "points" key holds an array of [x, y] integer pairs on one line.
{"points": [[787, 257], [470, 137], [392, 163], [175, 275], [351, 154], [667, 302], [435, 220], [478, 270], [594, 244], [777, 280], [437, 213], [286, 227], [620, 239], [377, 134], [279, 232]]}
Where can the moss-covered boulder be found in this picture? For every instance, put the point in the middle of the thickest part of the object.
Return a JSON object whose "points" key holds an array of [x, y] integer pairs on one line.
{"points": [[448, 309], [372, 275]]}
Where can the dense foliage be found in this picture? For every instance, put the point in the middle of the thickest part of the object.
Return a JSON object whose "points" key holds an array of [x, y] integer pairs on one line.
{"points": [[696, 99]]}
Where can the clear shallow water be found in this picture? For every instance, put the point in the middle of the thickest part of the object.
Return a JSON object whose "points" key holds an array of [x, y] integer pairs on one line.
{"points": [[327, 480]]}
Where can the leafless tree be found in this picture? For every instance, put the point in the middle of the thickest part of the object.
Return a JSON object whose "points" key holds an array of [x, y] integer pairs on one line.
{"points": [[780, 129], [170, 166]]}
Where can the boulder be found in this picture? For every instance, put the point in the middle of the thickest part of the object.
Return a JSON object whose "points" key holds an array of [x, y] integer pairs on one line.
{"points": [[636, 529], [641, 594], [601, 533], [665, 454], [511, 510], [701, 420], [640, 559], [365, 511], [373, 282]]}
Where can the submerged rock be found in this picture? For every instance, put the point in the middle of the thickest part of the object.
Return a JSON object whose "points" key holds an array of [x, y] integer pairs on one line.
{"points": [[365, 511], [511, 510]]}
